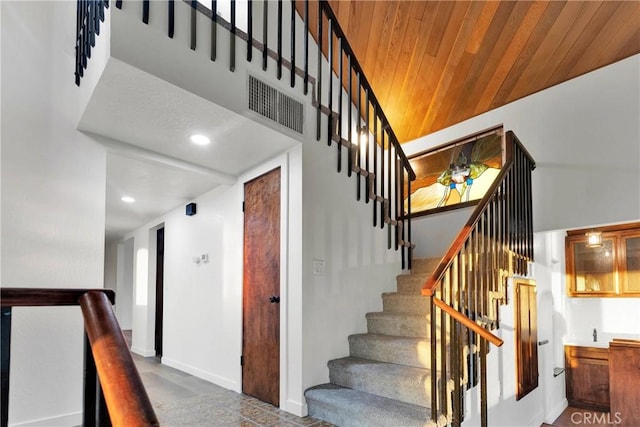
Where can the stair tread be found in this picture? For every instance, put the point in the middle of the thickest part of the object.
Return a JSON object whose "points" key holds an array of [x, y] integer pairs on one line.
{"points": [[353, 408]]}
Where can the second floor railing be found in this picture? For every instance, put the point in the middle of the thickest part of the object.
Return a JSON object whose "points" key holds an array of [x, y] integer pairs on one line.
{"points": [[348, 113], [113, 390]]}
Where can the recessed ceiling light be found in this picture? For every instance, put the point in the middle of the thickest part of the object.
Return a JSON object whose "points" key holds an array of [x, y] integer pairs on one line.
{"points": [[200, 140], [128, 199]]}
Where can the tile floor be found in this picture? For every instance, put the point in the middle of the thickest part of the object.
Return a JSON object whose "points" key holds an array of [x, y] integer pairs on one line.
{"points": [[182, 400]]}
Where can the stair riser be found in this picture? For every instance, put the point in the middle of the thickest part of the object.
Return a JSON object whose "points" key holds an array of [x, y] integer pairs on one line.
{"points": [[409, 354], [400, 326], [351, 411], [414, 389], [411, 283], [403, 303], [424, 266]]}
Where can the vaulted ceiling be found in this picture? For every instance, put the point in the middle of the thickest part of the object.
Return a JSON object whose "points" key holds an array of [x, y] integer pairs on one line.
{"points": [[436, 63]]}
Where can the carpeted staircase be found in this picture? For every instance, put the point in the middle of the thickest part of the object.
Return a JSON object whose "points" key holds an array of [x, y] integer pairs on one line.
{"points": [[385, 380]]}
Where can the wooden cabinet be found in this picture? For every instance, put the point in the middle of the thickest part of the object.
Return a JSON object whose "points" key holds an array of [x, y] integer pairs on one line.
{"points": [[587, 373], [624, 376], [611, 270]]}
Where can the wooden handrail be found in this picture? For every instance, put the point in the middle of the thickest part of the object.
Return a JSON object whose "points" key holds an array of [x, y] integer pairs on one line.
{"points": [[464, 320], [124, 393], [41, 297], [457, 245], [122, 386]]}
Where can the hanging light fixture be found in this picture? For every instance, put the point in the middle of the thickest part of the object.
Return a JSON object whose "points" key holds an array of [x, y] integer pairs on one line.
{"points": [[594, 239]]}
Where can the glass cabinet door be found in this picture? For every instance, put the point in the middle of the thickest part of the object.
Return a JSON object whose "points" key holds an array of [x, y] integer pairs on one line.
{"points": [[630, 269], [594, 268]]}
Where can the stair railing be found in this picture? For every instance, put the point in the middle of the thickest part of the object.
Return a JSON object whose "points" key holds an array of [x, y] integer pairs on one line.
{"points": [[113, 391], [469, 284], [340, 92]]}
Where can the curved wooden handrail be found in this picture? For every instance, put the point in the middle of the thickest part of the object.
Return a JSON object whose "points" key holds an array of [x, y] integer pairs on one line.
{"points": [[122, 386], [484, 333], [457, 245]]}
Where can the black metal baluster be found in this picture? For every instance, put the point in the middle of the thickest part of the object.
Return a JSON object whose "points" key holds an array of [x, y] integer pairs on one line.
{"points": [[396, 199], [81, 38], [340, 70], [5, 363], [483, 383], [265, 27], [434, 366], [403, 249], [279, 39], [90, 412], [306, 46], [383, 129], [350, 129], [249, 30], [443, 348], [145, 11], [375, 163], [99, 15], [232, 39], [77, 47], [367, 188], [171, 17], [194, 6], [389, 189], [293, 43], [88, 30], [408, 220], [530, 208], [319, 81], [350, 122], [330, 78], [359, 136], [214, 30]]}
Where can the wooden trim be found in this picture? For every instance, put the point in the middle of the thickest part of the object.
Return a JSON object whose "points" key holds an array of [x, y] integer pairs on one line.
{"points": [[124, 392], [461, 318], [605, 229], [40, 297]]}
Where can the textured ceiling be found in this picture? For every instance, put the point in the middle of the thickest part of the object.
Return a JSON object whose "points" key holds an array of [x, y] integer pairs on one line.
{"points": [[433, 64]]}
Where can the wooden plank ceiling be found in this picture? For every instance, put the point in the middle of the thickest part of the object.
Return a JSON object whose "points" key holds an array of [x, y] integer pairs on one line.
{"points": [[433, 64]]}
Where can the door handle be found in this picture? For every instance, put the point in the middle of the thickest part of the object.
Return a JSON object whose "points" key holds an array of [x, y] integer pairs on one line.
{"points": [[274, 300]]}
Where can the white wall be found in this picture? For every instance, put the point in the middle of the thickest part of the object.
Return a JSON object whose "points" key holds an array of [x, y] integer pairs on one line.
{"points": [[585, 137], [124, 284], [203, 302], [53, 181]]}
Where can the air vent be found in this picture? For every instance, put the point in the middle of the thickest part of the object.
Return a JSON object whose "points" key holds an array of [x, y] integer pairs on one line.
{"points": [[269, 102]]}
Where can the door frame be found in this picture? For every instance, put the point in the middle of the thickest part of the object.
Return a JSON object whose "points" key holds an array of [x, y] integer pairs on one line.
{"points": [[281, 162], [279, 289]]}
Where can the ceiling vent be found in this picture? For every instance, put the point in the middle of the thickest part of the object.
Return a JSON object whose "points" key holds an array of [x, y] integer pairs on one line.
{"points": [[269, 102]]}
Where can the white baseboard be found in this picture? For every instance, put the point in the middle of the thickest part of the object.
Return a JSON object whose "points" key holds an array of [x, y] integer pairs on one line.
{"points": [[216, 379], [74, 419], [295, 408], [143, 352], [556, 411]]}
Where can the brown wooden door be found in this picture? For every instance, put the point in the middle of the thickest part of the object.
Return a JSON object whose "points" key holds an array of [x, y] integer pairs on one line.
{"points": [[261, 295]]}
